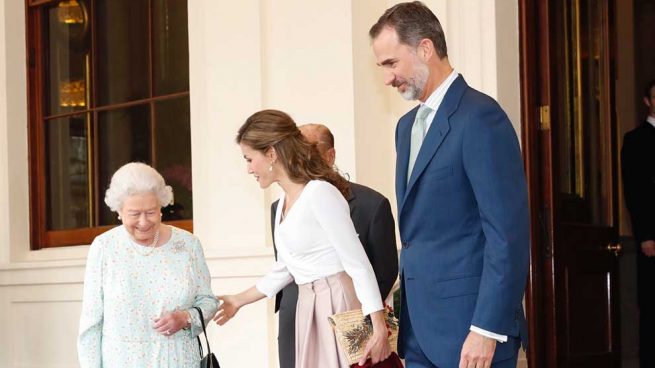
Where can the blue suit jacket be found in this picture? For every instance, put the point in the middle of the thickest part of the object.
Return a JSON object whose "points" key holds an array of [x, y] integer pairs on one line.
{"points": [[464, 227]]}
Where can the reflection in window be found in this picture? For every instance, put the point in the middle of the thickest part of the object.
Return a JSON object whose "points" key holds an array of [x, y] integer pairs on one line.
{"points": [[68, 178], [584, 131]]}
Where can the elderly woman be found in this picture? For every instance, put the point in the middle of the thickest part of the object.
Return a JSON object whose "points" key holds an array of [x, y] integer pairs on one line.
{"points": [[143, 280]]}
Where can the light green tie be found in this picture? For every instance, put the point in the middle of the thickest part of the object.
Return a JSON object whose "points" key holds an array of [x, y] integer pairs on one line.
{"points": [[418, 133]]}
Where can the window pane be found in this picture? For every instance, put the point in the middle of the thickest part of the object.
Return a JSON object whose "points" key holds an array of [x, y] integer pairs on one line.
{"points": [[123, 136], [583, 149], [122, 44], [170, 46], [174, 154], [67, 175], [95, 59], [67, 38]]}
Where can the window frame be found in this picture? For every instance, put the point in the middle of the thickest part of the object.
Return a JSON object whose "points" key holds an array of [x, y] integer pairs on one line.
{"points": [[36, 63]]}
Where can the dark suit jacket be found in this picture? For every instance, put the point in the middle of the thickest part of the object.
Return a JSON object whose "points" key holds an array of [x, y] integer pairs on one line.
{"points": [[464, 226], [374, 223], [638, 169]]}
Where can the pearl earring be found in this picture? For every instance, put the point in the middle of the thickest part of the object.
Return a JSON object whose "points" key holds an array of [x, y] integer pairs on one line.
{"points": [[119, 217], [270, 168]]}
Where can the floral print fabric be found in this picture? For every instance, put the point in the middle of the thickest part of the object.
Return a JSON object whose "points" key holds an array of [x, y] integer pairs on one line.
{"points": [[125, 288]]}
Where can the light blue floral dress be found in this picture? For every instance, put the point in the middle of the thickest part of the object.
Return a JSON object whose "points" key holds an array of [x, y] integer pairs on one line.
{"points": [[125, 288]]}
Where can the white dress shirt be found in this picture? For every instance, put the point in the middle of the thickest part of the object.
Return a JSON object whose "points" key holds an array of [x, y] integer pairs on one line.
{"points": [[651, 120], [317, 239], [433, 102]]}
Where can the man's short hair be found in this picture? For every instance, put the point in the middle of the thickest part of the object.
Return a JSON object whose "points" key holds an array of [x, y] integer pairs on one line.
{"points": [[327, 137], [649, 88], [413, 22], [323, 134]]}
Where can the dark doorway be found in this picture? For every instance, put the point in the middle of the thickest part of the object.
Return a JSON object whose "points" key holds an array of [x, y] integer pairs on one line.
{"points": [[583, 65]]}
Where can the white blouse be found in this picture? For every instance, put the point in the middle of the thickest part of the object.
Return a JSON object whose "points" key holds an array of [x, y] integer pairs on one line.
{"points": [[317, 239]]}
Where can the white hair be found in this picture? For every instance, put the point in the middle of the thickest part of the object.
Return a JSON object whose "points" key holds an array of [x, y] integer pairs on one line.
{"points": [[135, 178]]}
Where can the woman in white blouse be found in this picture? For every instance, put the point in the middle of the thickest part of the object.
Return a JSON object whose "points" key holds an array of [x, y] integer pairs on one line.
{"points": [[318, 247]]}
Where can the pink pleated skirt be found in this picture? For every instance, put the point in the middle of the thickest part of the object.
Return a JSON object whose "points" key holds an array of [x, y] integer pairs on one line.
{"points": [[316, 345]]}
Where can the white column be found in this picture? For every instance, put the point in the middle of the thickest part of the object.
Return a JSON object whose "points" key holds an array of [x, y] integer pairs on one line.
{"points": [[225, 87], [308, 68], [14, 232], [4, 165], [374, 127]]}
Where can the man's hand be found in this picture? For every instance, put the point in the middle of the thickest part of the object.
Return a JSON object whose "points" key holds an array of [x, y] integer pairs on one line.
{"points": [[648, 247], [477, 351]]}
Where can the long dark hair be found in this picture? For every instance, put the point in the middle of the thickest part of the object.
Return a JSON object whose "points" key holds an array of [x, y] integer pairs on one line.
{"points": [[299, 158]]}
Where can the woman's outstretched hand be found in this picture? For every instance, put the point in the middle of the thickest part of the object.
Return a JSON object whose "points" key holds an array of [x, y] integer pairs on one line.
{"points": [[227, 309], [230, 304]]}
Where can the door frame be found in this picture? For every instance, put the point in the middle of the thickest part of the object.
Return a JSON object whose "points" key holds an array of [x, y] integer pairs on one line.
{"points": [[535, 91], [541, 328]]}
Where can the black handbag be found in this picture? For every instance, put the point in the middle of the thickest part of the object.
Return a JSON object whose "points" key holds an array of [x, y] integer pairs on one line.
{"points": [[208, 361]]}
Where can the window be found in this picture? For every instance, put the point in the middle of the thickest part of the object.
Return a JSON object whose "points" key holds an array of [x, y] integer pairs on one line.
{"points": [[108, 84]]}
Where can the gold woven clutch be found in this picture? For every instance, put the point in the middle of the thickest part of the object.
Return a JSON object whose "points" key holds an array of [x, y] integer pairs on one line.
{"points": [[353, 331]]}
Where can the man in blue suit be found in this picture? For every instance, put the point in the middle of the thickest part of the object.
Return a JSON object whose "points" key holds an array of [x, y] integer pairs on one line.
{"points": [[462, 205]]}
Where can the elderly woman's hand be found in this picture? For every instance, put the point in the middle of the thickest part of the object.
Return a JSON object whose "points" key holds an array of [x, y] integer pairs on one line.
{"points": [[170, 323]]}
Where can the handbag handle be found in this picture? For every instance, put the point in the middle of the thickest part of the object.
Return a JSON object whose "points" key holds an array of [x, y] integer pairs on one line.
{"points": [[202, 320]]}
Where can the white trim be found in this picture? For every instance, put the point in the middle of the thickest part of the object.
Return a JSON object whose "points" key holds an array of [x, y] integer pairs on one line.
{"points": [[651, 120]]}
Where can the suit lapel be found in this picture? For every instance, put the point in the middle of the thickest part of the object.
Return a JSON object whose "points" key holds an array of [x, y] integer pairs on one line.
{"points": [[351, 201], [273, 218], [436, 134], [403, 144]]}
